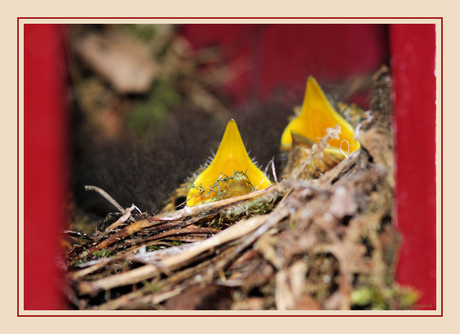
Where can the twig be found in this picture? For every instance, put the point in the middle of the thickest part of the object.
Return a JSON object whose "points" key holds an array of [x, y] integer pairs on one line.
{"points": [[271, 164], [120, 220], [106, 196], [110, 199], [150, 270]]}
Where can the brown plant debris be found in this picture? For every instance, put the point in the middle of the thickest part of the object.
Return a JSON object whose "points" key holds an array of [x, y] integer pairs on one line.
{"points": [[316, 240]]}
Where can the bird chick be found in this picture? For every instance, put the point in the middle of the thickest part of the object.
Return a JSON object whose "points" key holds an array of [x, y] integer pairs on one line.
{"points": [[231, 173], [316, 120], [316, 116]]}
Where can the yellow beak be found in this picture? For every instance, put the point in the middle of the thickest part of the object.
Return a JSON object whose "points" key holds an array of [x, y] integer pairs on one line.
{"points": [[317, 114], [230, 174]]}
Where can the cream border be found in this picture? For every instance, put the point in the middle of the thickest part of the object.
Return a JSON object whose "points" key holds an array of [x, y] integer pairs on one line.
{"points": [[294, 320]]}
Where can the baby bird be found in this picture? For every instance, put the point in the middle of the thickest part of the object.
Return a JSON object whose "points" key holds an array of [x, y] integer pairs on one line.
{"points": [[316, 115], [231, 173], [316, 120]]}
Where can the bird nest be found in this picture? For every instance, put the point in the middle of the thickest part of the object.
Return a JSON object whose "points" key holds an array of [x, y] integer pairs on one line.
{"points": [[315, 240]]}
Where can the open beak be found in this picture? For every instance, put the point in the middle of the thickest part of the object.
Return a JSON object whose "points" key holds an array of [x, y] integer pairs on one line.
{"points": [[231, 172], [316, 115]]}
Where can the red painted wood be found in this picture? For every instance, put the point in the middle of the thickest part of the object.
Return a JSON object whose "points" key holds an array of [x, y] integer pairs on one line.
{"points": [[45, 163], [269, 56], [413, 66]]}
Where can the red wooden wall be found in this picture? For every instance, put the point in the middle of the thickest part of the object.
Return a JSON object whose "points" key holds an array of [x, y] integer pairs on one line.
{"points": [[45, 162]]}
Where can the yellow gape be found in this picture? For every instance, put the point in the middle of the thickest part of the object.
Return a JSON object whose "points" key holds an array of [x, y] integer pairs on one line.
{"points": [[231, 172], [317, 114]]}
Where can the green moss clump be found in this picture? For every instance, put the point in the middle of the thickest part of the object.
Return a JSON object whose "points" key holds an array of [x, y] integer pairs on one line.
{"points": [[373, 298], [103, 253], [255, 207], [220, 188]]}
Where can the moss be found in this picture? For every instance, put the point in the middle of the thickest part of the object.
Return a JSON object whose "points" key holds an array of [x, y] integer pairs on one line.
{"points": [[362, 296], [371, 297], [79, 262], [257, 206], [220, 188], [103, 253], [406, 297]]}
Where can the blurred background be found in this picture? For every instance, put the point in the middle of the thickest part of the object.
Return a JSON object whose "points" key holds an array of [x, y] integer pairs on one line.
{"points": [[150, 102]]}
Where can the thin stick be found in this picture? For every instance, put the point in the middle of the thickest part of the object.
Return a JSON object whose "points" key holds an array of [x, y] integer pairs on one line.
{"points": [[106, 196], [110, 199], [121, 220], [271, 164]]}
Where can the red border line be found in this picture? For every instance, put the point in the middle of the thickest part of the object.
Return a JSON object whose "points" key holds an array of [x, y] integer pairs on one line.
{"points": [[17, 166], [234, 316], [442, 165], [230, 18]]}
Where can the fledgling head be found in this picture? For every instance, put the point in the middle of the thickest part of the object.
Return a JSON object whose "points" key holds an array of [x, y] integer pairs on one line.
{"points": [[231, 173], [316, 116]]}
